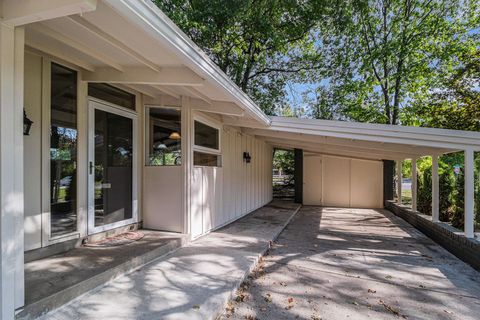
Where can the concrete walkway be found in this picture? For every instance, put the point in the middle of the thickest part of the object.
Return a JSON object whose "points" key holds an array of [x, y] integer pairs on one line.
{"points": [[357, 264], [194, 282]]}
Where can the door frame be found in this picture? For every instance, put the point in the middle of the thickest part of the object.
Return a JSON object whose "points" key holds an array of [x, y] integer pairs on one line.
{"points": [[94, 104]]}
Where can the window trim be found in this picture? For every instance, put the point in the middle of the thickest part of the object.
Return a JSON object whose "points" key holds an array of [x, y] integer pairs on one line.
{"points": [[212, 124], [146, 125], [127, 90]]}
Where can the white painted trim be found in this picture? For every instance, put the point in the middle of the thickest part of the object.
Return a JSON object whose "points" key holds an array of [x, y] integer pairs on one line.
{"points": [[127, 113], [435, 190], [469, 194], [211, 123], [414, 184]]}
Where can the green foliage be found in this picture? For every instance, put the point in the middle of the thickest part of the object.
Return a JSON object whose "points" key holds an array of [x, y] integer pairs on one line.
{"points": [[424, 200], [260, 44], [284, 161]]}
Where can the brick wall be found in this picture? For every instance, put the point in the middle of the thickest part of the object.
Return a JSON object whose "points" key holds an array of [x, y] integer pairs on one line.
{"points": [[442, 233]]}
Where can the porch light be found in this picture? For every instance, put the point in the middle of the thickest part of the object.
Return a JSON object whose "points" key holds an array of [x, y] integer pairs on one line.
{"points": [[175, 136], [27, 124]]}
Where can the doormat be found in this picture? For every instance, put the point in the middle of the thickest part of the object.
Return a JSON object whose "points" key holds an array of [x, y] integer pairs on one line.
{"points": [[118, 240]]}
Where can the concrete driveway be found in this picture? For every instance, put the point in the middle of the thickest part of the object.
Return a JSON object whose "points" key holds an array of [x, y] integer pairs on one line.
{"points": [[333, 263]]}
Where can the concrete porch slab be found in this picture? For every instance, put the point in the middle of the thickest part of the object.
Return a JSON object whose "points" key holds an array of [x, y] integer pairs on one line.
{"points": [[53, 281], [195, 282]]}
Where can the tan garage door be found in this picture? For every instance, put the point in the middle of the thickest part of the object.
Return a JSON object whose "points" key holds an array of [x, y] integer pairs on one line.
{"points": [[342, 182]]}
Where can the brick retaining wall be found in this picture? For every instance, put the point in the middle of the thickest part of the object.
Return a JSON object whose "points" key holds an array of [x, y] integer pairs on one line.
{"points": [[442, 233]]}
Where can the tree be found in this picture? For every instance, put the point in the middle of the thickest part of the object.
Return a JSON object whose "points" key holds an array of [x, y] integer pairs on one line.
{"points": [[260, 44], [382, 54]]}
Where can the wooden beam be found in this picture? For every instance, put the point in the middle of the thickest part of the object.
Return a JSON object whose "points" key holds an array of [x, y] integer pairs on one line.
{"points": [[220, 107], [171, 76], [168, 91], [93, 29], [196, 94], [57, 53], [20, 12], [72, 43]]}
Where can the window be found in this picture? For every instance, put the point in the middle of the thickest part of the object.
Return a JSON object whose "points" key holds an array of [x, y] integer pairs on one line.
{"points": [[206, 136], [164, 137], [63, 151], [207, 159], [112, 94]]}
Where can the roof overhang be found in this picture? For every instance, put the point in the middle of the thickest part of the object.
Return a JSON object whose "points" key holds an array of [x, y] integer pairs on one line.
{"points": [[133, 45], [371, 141]]}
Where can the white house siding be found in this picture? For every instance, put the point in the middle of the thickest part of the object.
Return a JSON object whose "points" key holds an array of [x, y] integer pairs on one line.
{"points": [[32, 152], [224, 194]]}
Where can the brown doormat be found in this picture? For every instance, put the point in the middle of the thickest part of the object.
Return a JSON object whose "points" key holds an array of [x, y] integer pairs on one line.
{"points": [[118, 240]]}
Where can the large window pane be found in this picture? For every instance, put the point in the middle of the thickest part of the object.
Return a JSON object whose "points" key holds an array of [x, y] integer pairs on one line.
{"points": [[112, 94], [206, 136], [63, 150], [113, 168], [164, 137]]}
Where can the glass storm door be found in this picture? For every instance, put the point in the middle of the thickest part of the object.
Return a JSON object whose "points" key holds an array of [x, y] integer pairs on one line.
{"points": [[111, 168]]}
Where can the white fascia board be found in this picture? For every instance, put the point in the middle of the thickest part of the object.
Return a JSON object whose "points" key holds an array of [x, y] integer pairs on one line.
{"points": [[20, 12], [150, 18], [427, 137]]}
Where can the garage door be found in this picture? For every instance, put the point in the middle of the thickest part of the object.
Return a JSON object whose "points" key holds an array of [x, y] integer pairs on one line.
{"points": [[342, 182]]}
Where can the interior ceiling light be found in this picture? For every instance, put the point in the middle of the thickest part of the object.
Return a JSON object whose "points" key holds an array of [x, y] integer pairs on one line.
{"points": [[175, 136]]}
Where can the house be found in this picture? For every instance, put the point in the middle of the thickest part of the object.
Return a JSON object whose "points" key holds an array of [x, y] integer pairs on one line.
{"points": [[111, 117]]}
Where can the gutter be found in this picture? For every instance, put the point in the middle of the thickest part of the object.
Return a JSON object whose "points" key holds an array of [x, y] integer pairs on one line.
{"points": [[150, 18]]}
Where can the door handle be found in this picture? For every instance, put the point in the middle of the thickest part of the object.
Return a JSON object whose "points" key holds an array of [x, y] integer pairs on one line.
{"points": [[91, 167]]}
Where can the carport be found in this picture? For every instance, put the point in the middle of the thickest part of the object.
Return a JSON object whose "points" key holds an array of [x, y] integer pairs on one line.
{"points": [[346, 164]]}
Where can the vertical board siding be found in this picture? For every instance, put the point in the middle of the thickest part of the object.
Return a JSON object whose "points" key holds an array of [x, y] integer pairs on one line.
{"points": [[222, 195]]}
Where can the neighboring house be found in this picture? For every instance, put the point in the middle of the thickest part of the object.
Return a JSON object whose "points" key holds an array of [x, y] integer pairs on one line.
{"points": [[133, 123]]}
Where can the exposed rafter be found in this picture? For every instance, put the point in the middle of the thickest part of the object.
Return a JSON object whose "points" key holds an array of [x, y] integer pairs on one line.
{"points": [[112, 41], [37, 45], [168, 91], [171, 76], [72, 43], [194, 92], [220, 107]]}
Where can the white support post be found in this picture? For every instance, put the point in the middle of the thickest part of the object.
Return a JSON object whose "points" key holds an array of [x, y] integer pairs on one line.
{"points": [[399, 181], [414, 184], [435, 190], [469, 193], [11, 170]]}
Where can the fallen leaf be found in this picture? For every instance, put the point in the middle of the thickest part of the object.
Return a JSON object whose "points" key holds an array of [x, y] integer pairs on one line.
{"points": [[388, 277], [268, 297], [283, 284], [355, 303], [372, 291], [196, 307], [449, 312], [290, 300]]}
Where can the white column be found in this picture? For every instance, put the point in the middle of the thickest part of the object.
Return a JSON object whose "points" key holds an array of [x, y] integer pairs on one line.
{"points": [[435, 190], [469, 193], [414, 184], [11, 170], [399, 181]]}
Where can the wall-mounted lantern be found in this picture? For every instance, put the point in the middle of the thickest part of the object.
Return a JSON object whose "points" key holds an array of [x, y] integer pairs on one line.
{"points": [[246, 157], [27, 124]]}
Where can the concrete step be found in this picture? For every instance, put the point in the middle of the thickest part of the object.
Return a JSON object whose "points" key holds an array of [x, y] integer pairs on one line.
{"points": [[130, 259]]}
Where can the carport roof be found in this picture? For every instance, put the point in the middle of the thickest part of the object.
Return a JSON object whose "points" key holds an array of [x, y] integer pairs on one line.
{"points": [[362, 140]]}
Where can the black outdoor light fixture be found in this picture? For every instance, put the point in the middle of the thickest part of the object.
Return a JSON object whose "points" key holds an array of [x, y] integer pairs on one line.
{"points": [[27, 124], [247, 157]]}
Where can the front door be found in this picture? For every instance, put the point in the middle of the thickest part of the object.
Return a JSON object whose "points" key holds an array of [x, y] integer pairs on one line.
{"points": [[112, 167]]}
